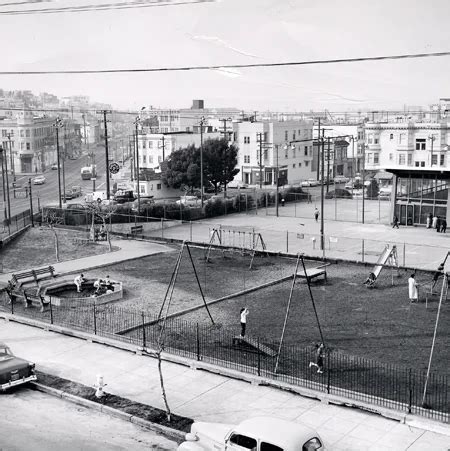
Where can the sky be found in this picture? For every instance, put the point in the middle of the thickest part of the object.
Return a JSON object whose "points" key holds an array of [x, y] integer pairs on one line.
{"points": [[234, 32]]}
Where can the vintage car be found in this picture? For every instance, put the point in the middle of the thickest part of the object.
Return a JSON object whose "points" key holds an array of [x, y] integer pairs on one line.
{"points": [[255, 434], [13, 370], [39, 180]]}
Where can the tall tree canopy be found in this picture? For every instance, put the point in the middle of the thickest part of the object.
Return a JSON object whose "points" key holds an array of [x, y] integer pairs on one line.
{"points": [[220, 162], [219, 165]]}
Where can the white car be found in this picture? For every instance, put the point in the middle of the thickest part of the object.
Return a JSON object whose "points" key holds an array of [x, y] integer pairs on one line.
{"points": [[237, 184], [39, 180], [257, 434], [340, 179], [190, 201], [310, 182]]}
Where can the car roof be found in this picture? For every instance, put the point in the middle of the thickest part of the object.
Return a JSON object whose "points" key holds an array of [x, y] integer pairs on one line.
{"points": [[277, 431]]}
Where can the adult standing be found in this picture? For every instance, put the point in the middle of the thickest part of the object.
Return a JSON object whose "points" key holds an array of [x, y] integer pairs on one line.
{"points": [[244, 312], [443, 225], [438, 224], [434, 222], [412, 288], [429, 220], [395, 222], [316, 214]]}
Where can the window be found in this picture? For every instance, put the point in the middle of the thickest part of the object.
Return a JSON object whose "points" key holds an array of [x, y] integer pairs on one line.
{"points": [[269, 447], [246, 158], [29, 148], [421, 144], [299, 165], [3, 133], [159, 158], [376, 139], [22, 145], [243, 441], [150, 144], [442, 159], [401, 159], [27, 132], [144, 159], [370, 138], [391, 156], [402, 138], [143, 144], [293, 135], [150, 159], [246, 139], [293, 151], [22, 133], [286, 135], [306, 151], [158, 186], [417, 164], [306, 163], [391, 136], [376, 158], [434, 159], [409, 159], [422, 164], [142, 189], [369, 158]]}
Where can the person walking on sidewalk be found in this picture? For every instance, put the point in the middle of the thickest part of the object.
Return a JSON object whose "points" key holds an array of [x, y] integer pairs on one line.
{"points": [[395, 222], [244, 313], [319, 358], [438, 224], [429, 220], [316, 214], [443, 225], [412, 289], [434, 222]]}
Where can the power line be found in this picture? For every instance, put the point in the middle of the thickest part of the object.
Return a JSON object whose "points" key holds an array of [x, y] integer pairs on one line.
{"points": [[27, 2], [103, 7], [229, 66]]}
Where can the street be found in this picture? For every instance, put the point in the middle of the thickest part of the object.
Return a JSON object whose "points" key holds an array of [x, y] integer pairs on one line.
{"points": [[36, 421], [48, 192]]}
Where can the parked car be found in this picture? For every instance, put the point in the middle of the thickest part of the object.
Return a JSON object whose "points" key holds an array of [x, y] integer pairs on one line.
{"points": [[39, 180], [55, 166], [96, 196], [258, 433], [72, 193], [78, 207], [13, 370], [121, 196], [237, 184], [340, 179], [310, 182], [191, 201]]}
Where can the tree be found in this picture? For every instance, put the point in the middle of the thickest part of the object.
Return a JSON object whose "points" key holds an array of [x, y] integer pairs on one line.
{"points": [[183, 168], [372, 189], [52, 219], [220, 161], [103, 213]]}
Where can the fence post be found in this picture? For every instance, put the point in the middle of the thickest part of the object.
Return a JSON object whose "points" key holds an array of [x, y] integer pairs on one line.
{"points": [[404, 254], [12, 306], [362, 251], [328, 373], [95, 320], [144, 341], [410, 391], [162, 227], [287, 241], [51, 311], [259, 359], [190, 230], [198, 343]]}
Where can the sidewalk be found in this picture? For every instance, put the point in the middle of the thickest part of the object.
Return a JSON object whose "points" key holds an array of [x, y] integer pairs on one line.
{"points": [[205, 396]]}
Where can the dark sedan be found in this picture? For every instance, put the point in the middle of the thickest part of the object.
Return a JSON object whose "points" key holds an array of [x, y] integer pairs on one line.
{"points": [[13, 370]]}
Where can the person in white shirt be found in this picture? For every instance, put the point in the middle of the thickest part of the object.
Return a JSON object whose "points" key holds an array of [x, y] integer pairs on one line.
{"points": [[412, 287], [244, 313], [79, 280]]}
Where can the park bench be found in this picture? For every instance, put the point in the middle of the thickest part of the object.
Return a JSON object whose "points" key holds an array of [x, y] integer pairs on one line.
{"points": [[312, 273], [15, 285], [33, 295], [136, 230], [81, 240]]}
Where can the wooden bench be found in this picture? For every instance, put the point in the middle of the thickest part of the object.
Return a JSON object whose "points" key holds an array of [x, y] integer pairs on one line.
{"points": [[136, 230], [33, 295], [15, 288], [81, 240]]}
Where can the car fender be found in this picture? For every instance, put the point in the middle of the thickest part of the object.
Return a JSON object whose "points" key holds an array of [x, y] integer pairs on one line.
{"points": [[191, 446]]}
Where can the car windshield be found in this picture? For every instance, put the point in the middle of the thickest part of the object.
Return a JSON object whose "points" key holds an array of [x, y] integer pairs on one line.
{"points": [[5, 353]]}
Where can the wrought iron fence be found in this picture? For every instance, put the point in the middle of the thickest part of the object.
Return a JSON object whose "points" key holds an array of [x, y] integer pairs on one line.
{"points": [[353, 377], [15, 224]]}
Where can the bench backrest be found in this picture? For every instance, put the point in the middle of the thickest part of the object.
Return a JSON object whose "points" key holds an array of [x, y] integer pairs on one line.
{"points": [[138, 228], [32, 274]]}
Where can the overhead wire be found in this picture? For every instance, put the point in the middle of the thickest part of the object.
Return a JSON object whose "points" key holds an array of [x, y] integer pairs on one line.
{"points": [[229, 66], [137, 4]]}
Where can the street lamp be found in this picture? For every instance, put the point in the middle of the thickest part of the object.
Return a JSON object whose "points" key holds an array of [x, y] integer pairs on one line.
{"points": [[136, 124], [11, 155], [202, 120], [58, 124]]}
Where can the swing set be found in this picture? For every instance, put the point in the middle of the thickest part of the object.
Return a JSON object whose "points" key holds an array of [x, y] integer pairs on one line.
{"points": [[236, 240]]}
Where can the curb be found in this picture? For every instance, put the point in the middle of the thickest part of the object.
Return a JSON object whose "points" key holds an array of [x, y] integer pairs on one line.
{"points": [[164, 430]]}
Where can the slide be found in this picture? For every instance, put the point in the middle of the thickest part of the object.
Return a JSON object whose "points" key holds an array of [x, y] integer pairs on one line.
{"points": [[387, 254]]}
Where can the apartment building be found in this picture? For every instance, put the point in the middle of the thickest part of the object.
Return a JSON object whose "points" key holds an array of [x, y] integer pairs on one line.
{"points": [[265, 146], [417, 154]]}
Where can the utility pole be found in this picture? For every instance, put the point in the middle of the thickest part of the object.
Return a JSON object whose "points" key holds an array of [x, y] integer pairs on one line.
{"points": [[136, 124], [322, 159], [318, 153], [63, 163], [260, 141], [431, 138], [11, 155], [163, 147], [105, 121], [276, 195], [225, 133], [201, 159], [363, 179], [7, 212], [58, 124], [328, 163]]}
